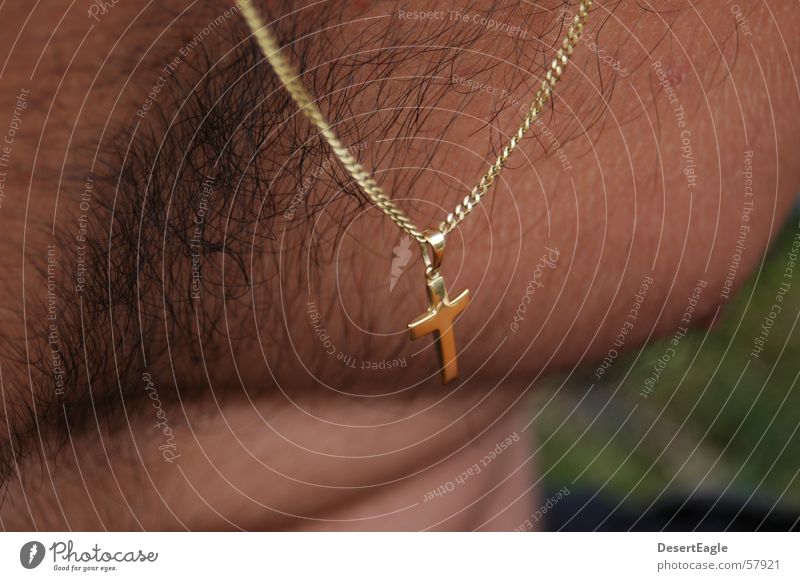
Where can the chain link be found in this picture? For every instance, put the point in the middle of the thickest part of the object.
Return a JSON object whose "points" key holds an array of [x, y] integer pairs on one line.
{"points": [[291, 81]]}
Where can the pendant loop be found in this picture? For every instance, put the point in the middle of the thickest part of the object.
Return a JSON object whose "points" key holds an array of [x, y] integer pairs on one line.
{"points": [[433, 251]]}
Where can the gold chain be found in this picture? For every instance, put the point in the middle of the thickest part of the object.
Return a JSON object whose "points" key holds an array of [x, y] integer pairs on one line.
{"points": [[291, 80]]}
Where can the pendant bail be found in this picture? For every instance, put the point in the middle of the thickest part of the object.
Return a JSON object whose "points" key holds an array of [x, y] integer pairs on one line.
{"points": [[432, 251]]}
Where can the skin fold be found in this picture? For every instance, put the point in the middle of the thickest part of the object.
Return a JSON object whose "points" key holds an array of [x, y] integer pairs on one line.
{"points": [[287, 395]]}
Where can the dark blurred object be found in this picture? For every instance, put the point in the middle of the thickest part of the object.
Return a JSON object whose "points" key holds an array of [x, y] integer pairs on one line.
{"points": [[586, 511]]}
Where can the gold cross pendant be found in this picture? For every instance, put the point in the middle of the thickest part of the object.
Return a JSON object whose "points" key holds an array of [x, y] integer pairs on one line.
{"points": [[442, 311]]}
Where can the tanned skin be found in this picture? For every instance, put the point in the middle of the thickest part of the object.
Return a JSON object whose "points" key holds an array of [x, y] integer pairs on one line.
{"points": [[257, 373]]}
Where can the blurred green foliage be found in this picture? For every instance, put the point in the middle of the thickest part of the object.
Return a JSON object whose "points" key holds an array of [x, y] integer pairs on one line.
{"points": [[718, 421]]}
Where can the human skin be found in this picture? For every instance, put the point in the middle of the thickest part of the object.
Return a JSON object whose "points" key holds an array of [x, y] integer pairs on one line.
{"points": [[270, 429]]}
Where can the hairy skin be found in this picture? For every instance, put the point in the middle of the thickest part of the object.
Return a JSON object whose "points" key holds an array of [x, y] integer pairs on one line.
{"points": [[271, 430]]}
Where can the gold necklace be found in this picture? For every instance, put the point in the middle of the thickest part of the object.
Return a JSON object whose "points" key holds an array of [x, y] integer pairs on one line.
{"points": [[442, 311]]}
